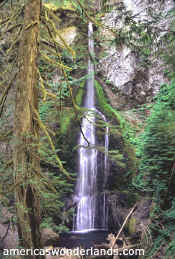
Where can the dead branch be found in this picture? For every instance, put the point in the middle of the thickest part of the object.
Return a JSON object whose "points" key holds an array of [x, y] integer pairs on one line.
{"points": [[124, 223]]}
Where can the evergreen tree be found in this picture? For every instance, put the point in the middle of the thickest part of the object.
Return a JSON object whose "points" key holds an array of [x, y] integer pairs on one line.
{"points": [[26, 131]]}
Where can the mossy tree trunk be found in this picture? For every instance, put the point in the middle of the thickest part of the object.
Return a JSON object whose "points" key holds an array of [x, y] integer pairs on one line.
{"points": [[26, 131]]}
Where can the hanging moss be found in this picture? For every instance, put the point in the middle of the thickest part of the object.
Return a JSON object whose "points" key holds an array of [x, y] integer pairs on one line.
{"points": [[55, 6], [80, 94], [67, 115]]}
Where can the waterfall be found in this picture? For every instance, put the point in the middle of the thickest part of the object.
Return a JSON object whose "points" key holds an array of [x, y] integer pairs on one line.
{"points": [[91, 212]]}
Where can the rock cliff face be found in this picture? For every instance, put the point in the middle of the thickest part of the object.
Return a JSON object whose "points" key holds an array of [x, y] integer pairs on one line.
{"points": [[123, 65]]}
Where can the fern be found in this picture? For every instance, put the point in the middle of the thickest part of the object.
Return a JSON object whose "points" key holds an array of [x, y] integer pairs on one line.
{"points": [[156, 150]]}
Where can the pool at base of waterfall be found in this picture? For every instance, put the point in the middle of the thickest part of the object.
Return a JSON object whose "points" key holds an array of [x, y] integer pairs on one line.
{"points": [[88, 230], [85, 239]]}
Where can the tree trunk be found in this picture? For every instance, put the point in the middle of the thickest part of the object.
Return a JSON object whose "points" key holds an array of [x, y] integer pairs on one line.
{"points": [[26, 132]]}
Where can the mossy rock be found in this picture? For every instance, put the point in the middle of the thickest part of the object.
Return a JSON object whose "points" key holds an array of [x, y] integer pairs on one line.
{"points": [[132, 226], [119, 137], [67, 115]]}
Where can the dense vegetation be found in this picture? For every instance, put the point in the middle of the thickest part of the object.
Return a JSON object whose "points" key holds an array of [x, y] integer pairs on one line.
{"points": [[144, 156], [156, 152]]}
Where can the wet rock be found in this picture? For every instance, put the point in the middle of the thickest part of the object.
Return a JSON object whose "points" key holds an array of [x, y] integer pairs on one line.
{"points": [[117, 210], [48, 237]]}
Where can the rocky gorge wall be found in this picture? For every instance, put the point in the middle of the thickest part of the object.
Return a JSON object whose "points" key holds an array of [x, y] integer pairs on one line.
{"points": [[123, 66]]}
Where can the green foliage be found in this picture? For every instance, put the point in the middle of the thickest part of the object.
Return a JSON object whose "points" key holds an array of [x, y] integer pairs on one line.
{"points": [[167, 43], [67, 115], [48, 223], [137, 35], [66, 4], [156, 150], [61, 110], [115, 155], [65, 120], [6, 193], [52, 202], [126, 130], [123, 136], [44, 108], [156, 145], [145, 36], [79, 95], [78, 7]]}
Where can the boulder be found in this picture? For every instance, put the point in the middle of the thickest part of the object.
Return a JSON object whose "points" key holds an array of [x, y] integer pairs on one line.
{"points": [[8, 236], [48, 237]]}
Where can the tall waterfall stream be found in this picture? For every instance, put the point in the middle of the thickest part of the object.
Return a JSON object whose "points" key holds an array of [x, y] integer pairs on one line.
{"points": [[91, 212]]}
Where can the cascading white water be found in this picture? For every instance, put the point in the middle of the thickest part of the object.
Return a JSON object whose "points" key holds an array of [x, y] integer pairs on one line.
{"points": [[89, 205]]}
